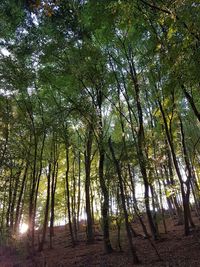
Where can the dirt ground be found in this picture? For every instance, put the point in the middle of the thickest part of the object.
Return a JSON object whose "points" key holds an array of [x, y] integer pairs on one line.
{"points": [[174, 249]]}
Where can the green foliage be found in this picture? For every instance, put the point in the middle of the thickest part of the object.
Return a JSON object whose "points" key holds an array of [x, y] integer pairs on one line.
{"points": [[77, 63]]}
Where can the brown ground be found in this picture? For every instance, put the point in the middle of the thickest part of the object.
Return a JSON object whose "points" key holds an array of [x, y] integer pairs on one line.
{"points": [[174, 248]]}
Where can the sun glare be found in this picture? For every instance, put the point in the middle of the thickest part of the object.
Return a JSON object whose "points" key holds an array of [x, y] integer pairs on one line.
{"points": [[23, 228]]}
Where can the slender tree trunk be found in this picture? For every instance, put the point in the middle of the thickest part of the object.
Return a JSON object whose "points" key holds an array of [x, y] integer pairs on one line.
{"points": [[31, 202], [184, 197], [191, 101], [38, 174], [12, 209], [141, 146], [6, 134], [90, 235], [161, 204], [104, 189], [171, 182], [53, 191], [135, 206], [128, 230], [129, 168], [68, 197], [79, 189], [74, 202], [155, 206], [105, 205], [17, 221], [3, 211], [142, 163], [9, 201], [169, 199], [189, 174], [46, 215]]}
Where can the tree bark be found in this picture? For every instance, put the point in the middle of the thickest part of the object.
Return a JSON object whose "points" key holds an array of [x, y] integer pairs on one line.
{"points": [[46, 215], [128, 230], [53, 191], [88, 150], [191, 101], [171, 145], [104, 190], [17, 221], [68, 196]]}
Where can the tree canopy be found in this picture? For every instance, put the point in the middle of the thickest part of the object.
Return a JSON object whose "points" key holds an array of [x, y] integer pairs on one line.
{"points": [[99, 116]]}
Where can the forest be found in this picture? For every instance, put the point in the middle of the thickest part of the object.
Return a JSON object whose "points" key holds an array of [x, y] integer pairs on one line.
{"points": [[99, 133]]}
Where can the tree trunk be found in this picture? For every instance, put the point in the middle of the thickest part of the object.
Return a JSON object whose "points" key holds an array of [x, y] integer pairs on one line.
{"points": [[128, 230], [12, 208], [141, 147], [88, 150], [135, 206], [9, 201], [191, 101], [104, 189], [46, 215], [171, 145], [68, 197], [105, 205], [189, 174], [17, 221], [53, 191], [79, 188]]}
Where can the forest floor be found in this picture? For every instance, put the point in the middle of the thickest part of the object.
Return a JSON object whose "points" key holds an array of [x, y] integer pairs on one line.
{"points": [[174, 248]]}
